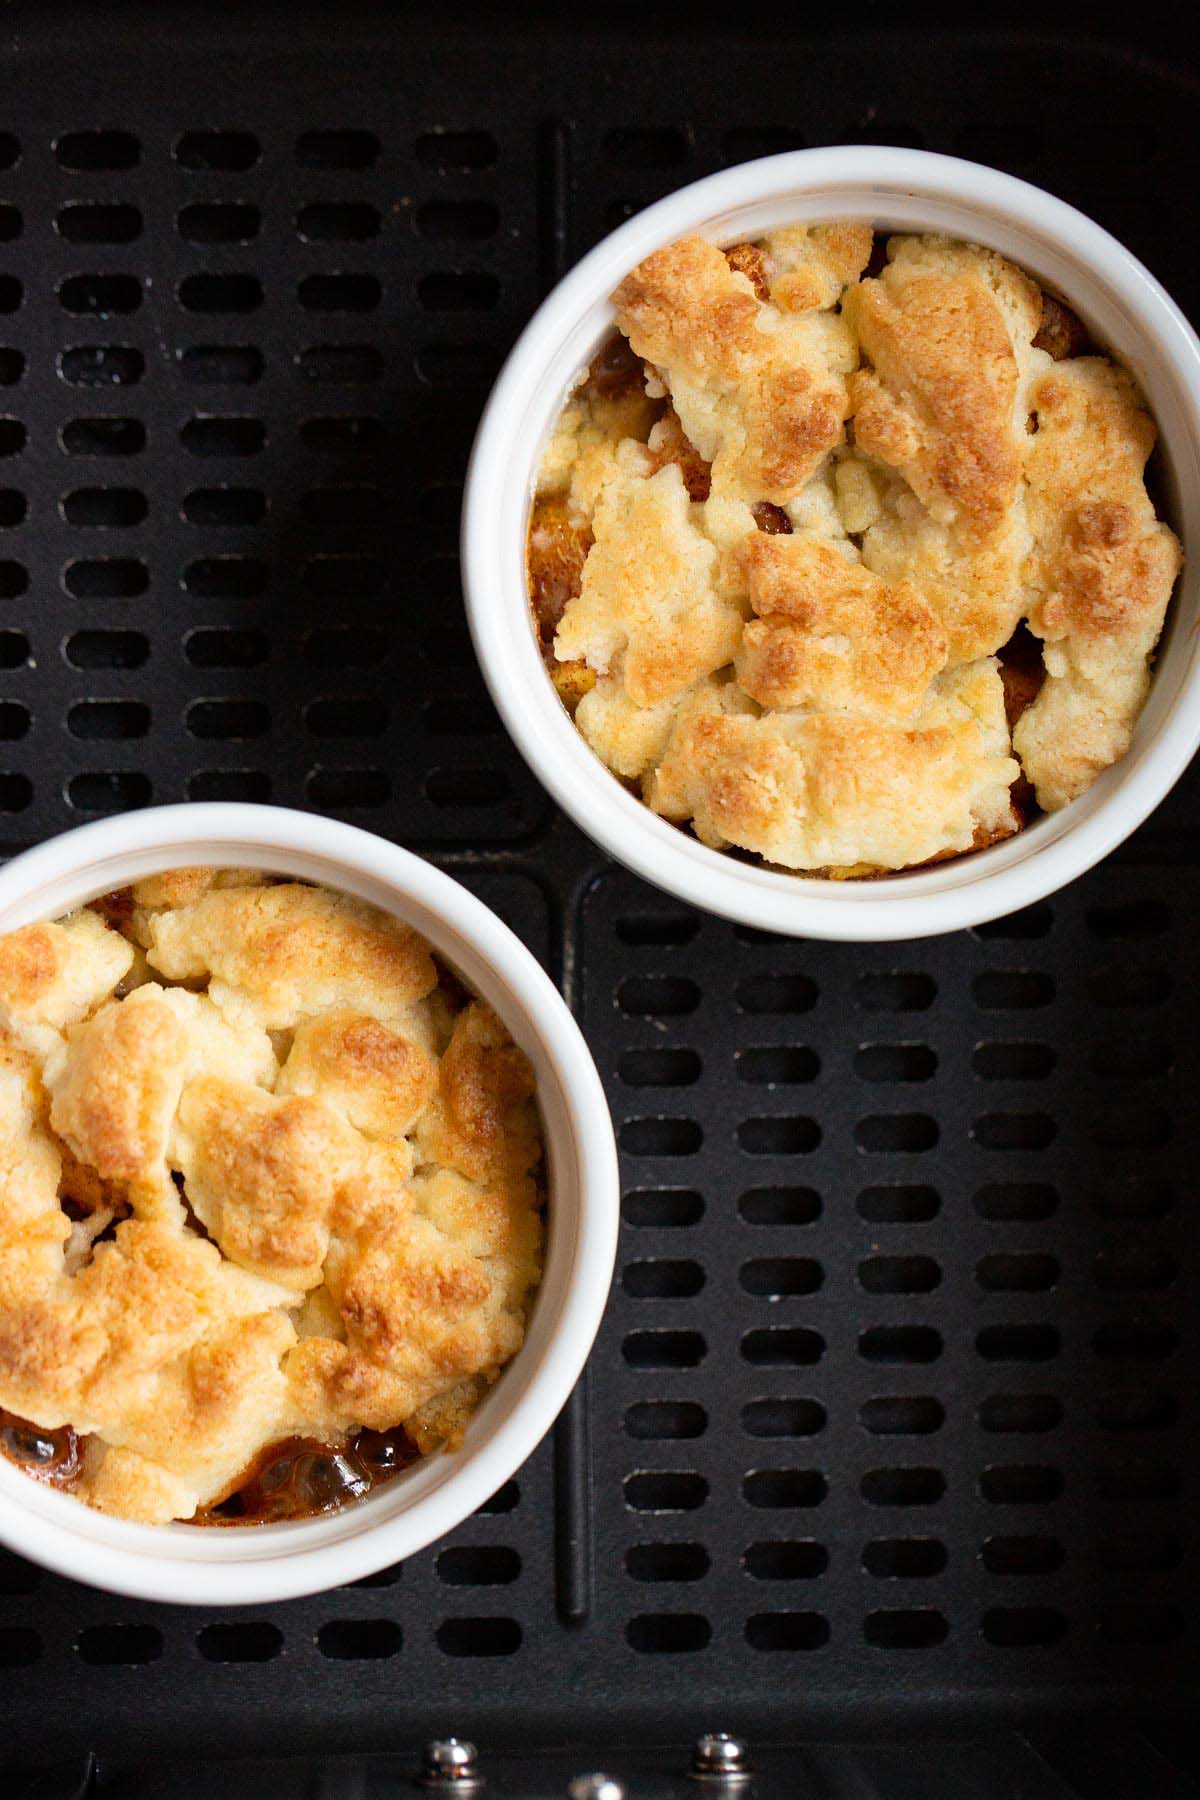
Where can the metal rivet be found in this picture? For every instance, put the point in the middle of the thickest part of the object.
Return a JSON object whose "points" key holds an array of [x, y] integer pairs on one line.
{"points": [[596, 1787], [450, 1763], [720, 1757]]}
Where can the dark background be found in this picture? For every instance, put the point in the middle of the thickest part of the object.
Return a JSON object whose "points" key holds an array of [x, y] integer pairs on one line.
{"points": [[891, 1430]]}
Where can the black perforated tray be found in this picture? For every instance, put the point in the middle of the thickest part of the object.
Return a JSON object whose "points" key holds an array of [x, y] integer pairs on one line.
{"points": [[892, 1424]]}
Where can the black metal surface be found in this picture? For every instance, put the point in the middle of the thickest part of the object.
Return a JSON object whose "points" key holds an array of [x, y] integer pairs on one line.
{"points": [[891, 1426]]}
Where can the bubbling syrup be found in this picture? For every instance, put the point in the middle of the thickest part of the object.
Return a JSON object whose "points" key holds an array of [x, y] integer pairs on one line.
{"points": [[53, 1456], [297, 1478], [301, 1478]]}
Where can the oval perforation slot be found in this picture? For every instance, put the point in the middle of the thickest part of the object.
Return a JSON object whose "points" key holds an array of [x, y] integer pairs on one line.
{"points": [[1021, 1484], [16, 791], [99, 296], [13, 437], [905, 1628], [108, 1646], [463, 221], [1012, 990], [17, 1576], [103, 437], [1142, 1622], [108, 719], [1019, 1342], [777, 1206], [669, 1209], [1136, 1410], [665, 1491], [1022, 1555], [778, 1277], [346, 647], [1013, 1061], [348, 434], [14, 579], [13, 508], [904, 1559], [663, 1278], [778, 1065], [785, 1559], [225, 648], [470, 787], [104, 508], [794, 1136], [96, 222], [340, 364], [664, 1349], [1023, 1200], [1025, 1413], [1128, 986], [12, 294], [780, 1490], [787, 1631], [1129, 919], [86, 152], [782, 1346], [219, 222], [224, 152], [479, 1637], [658, 996], [469, 367], [15, 720], [659, 1068], [667, 1562], [782, 993], [20, 1646], [240, 1641], [902, 1487], [106, 578], [224, 507], [899, 1204], [229, 784], [347, 790], [653, 1420], [456, 152], [12, 365], [225, 292], [359, 1640], [108, 790], [1018, 1272], [899, 1274], [344, 149], [212, 434], [338, 222], [107, 649], [228, 718], [355, 716], [900, 1344], [478, 1565], [14, 648], [902, 1415], [1023, 1627], [783, 1416], [340, 293], [11, 223], [895, 990], [221, 365], [668, 1634]]}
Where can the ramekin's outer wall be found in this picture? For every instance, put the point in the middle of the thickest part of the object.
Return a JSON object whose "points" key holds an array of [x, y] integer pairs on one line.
{"points": [[908, 190]]}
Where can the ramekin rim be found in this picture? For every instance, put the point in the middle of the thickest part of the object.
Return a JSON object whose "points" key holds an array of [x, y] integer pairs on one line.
{"points": [[129, 1558], [964, 893]]}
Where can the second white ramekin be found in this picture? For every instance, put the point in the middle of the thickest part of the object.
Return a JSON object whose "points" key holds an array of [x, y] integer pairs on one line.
{"points": [[262, 1563], [906, 190]]}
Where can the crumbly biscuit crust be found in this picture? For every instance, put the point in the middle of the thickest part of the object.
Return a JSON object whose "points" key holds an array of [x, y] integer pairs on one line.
{"points": [[790, 579], [294, 1197]]}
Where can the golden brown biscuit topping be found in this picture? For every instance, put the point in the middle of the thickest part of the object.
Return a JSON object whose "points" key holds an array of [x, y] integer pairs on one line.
{"points": [[786, 593], [293, 1201]]}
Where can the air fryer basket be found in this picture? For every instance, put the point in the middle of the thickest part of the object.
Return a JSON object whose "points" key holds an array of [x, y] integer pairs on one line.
{"points": [[891, 1429]]}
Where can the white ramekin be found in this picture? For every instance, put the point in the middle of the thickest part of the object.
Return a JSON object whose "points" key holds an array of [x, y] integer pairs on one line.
{"points": [[276, 1562], [907, 190]]}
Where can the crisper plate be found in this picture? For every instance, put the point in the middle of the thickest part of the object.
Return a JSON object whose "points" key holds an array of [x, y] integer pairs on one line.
{"points": [[892, 1423]]}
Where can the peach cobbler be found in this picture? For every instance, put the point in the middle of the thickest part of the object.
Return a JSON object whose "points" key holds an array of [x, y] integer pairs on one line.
{"points": [[270, 1217], [841, 551]]}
